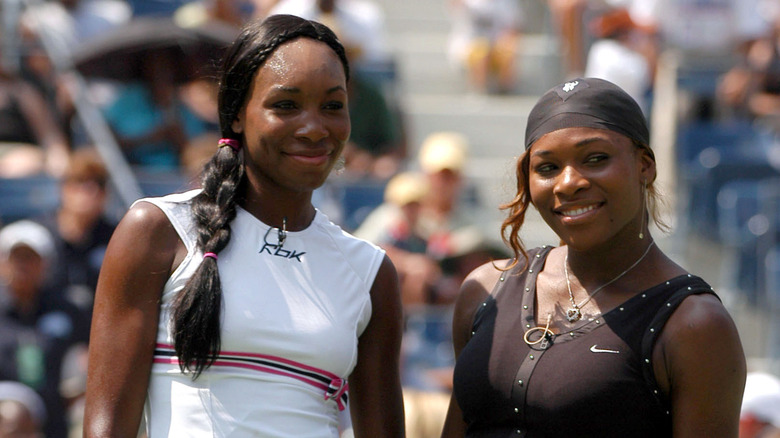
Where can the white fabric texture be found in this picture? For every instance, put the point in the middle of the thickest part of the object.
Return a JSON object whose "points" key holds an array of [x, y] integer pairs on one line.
{"points": [[305, 303]]}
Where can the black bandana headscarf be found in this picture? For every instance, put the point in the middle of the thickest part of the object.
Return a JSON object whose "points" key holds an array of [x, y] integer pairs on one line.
{"points": [[589, 103]]}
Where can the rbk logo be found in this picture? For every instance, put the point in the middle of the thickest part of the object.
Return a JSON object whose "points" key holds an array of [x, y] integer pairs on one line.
{"points": [[276, 249], [570, 86]]}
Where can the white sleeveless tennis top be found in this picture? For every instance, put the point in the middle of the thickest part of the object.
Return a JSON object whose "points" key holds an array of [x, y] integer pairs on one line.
{"points": [[291, 318]]}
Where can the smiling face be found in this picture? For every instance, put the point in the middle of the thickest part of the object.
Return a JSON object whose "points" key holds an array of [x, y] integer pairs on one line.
{"points": [[295, 122], [587, 185]]}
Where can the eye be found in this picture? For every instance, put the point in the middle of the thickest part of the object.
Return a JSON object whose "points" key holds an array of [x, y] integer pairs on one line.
{"points": [[285, 105], [596, 158], [334, 105], [545, 168]]}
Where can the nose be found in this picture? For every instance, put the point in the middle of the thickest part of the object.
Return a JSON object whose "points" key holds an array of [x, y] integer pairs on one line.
{"points": [[311, 127], [570, 181]]}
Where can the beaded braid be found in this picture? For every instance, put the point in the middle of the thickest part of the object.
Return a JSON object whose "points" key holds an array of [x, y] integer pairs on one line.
{"points": [[195, 315]]}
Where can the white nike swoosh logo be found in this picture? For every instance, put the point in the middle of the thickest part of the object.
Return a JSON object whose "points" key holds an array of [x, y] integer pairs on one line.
{"points": [[601, 350]]}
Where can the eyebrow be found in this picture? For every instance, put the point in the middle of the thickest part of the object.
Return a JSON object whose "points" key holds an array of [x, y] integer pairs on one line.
{"points": [[296, 90], [579, 144]]}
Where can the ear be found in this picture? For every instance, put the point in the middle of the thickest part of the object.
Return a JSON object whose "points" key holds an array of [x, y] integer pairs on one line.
{"points": [[646, 163], [238, 124]]}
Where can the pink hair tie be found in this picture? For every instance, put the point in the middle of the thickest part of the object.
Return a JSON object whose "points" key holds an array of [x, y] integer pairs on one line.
{"points": [[210, 254], [233, 143]]}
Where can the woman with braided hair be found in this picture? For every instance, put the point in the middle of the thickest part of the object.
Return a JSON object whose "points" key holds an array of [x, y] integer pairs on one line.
{"points": [[239, 309]]}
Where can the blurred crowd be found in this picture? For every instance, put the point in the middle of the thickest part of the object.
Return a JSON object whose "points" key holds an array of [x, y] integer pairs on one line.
{"points": [[159, 107]]}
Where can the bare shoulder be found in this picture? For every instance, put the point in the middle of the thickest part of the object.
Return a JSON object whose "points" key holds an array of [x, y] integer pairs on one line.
{"points": [[144, 239], [699, 333], [700, 314], [147, 223], [474, 290], [147, 216], [477, 285]]}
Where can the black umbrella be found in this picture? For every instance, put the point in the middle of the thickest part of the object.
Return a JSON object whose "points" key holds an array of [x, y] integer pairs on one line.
{"points": [[120, 55]]}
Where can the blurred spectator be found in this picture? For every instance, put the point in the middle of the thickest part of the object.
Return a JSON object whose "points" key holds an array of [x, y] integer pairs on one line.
{"points": [[433, 241], [377, 145], [80, 229], [150, 120], [483, 40], [160, 8], [73, 22], [232, 12], [760, 414], [568, 19], [622, 53], [360, 24], [37, 327], [406, 191], [402, 239], [62, 26], [751, 89], [31, 138], [22, 412], [197, 153], [442, 158]]}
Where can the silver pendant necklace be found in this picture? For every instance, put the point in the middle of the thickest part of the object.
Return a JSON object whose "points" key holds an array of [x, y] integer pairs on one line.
{"points": [[574, 313]]}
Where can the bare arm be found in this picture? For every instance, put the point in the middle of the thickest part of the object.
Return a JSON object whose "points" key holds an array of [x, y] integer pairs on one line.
{"points": [[699, 361], [376, 400], [475, 289], [138, 261]]}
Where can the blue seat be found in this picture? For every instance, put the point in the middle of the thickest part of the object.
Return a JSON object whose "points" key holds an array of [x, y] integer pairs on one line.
{"points": [[772, 303], [358, 199], [748, 222], [733, 153], [159, 183], [724, 137], [28, 197]]}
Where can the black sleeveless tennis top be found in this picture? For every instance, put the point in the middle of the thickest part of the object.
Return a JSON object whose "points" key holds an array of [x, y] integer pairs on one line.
{"points": [[594, 381]]}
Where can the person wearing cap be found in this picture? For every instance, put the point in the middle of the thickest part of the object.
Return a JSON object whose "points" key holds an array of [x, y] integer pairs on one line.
{"points": [[760, 413], [603, 335], [22, 411], [37, 326], [81, 228], [441, 160]]}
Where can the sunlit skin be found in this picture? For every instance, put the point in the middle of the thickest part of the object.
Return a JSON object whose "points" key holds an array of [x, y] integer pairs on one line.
{"points": [[295, 122], [293, 125], [587, 183]]}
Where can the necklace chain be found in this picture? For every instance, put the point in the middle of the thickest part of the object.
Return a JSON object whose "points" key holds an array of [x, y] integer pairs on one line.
{"points": [[574, 313]]}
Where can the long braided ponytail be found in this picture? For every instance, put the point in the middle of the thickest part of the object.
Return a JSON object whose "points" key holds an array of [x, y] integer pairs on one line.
{"points": [[195, 315]]}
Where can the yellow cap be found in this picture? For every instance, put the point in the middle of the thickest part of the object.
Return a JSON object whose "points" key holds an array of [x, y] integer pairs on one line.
{"points": [[443, 150], [406, 187]]}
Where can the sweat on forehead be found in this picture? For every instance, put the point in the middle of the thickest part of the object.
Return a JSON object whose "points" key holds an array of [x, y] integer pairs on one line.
{"points": [[587, 103]]}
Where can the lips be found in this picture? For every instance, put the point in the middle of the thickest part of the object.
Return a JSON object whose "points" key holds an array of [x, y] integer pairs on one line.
{"points": [[578, 211], [312, 157], [573, 212]]}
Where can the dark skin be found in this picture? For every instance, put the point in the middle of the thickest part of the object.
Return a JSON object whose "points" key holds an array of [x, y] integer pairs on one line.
{"points": [[286, 115], [580, 181]]}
